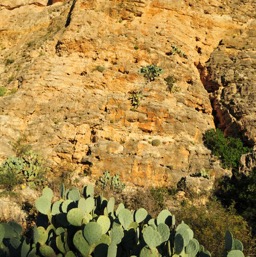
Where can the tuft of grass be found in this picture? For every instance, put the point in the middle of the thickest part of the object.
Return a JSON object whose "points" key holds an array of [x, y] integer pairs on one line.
{"points": [[2, 91]]}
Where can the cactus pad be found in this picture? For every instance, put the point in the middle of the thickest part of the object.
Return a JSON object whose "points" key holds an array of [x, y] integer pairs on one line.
{"points": [[92, 232], [75, 217], [151, 237]]}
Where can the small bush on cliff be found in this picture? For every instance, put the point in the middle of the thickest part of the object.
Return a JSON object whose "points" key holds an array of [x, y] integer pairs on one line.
{"points": [[150, 72], [228, 149]]}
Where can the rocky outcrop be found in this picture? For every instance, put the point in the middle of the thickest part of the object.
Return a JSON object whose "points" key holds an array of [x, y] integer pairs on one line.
{"points": [[70, 67]]}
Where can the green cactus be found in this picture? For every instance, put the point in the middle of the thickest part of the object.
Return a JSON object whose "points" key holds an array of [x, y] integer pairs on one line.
{"points": [[88, 191], [32, 253], [178, 243], [238, 245], [152, 237], [185, 231], [105, 239], [164, 231], [149, 252], [77, 227], [104, 222], [81, 244], [40, 235], [235, 253], [140, 215], [152, 223], [65, 206], [56, 207], [116, 234], [2, 232], [60, 243], [75, 217], [125, 217], [46, 251], [70, 254], [119, 208], [92, 232], [62, 191], [165, 217], [111, 205], [112, 250], [192, 248], [229, 241], [73, 194], [25, 248], [43, 205]]}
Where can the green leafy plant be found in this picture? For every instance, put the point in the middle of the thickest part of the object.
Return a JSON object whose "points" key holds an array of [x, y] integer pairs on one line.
{"points": [[150, 72], [228, 149], [85, 225], [135, 97]]}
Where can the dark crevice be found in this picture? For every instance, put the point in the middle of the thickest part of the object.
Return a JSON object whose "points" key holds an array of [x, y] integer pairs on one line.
{"points": [[70, 13], [224, 118]]}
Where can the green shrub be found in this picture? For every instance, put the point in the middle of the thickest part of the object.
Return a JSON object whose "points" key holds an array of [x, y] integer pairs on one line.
{"points": [[150, 72], [240, 191], [85, 225], [228, 149]]}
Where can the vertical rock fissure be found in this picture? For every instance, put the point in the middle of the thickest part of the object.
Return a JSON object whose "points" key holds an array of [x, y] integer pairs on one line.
{"points": [[218, 77], [70, 13]]}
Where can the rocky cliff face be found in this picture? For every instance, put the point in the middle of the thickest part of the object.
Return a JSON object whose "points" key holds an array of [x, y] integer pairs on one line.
{"points": [[70, 67]]}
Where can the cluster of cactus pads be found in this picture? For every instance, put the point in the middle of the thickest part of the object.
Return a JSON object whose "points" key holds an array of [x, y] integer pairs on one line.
{"points": [[83, 225]]}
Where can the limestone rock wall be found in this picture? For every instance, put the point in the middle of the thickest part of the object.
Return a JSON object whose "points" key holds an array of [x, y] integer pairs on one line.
{"points": [[69, 67]]}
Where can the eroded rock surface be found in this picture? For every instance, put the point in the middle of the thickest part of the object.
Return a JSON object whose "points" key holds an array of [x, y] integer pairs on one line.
{"points": [[69, 68]]}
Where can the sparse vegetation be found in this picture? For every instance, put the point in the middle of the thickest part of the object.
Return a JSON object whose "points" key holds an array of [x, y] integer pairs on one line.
{"points": [[9, 62], [135, 98], [27, 169], [150, 72], [2, 91], [111, 182], [177, 50], [170, 81], [202, 173]]}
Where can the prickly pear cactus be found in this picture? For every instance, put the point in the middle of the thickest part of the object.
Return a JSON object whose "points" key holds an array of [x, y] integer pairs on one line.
{"points": [[85, 225]]}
